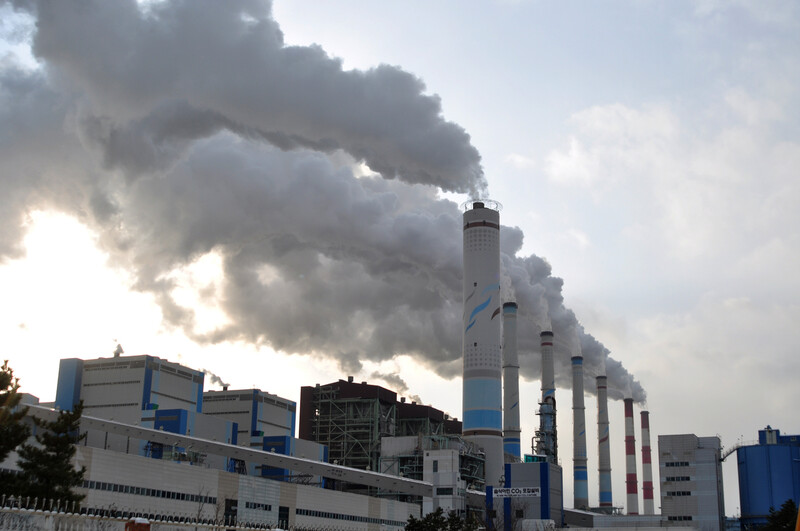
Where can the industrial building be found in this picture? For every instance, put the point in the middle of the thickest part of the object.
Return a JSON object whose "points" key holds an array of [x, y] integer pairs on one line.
{"points": [[769, 474], [351, 420], [690, 469], [144, 454]]}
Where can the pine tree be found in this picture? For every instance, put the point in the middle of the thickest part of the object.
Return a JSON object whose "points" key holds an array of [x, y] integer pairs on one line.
{"points": [[47, 469], [437, 521], [12, 431], [783, 519]]}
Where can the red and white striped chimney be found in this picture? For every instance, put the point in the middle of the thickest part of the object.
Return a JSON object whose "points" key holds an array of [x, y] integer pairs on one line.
{"points": [[631, 482], [647, 466]]}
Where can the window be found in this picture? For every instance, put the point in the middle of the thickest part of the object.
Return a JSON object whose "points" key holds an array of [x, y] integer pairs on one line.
{"points": [[435, 465], [676, 464]]}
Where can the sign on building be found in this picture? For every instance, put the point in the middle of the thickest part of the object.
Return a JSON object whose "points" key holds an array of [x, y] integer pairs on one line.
{"points": [[517, 492]]}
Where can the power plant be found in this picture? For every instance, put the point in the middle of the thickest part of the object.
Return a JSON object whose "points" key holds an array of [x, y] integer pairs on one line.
{"points": [[369, 456]]}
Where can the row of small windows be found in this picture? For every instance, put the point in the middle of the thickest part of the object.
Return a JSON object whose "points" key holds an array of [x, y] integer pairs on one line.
{"points": [[111, 405], [348, 517], [142, 491], [107, 365], [258, 506], [679, 518], [112, 383], [179, 399], [676, 463], [225, 398], [678, 478], [178, 372], [679, 493]]}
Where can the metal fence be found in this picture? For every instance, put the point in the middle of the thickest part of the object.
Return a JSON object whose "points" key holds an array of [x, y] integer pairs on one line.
{"points": [[26, 514]]}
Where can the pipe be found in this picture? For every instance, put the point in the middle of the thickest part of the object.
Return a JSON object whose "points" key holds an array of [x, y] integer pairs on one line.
{"points": [[482, 392], [511, 422], [546, 435], [647, 466], [632, 484], [579, 460], [603, 443]]}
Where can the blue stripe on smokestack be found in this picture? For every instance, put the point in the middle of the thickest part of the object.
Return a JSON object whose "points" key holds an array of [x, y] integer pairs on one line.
{"points": [[482, 407], [605, 488], [511, 445]]}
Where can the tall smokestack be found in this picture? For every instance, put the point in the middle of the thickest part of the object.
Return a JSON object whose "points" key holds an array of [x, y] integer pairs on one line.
{"points": [[647, 466], [580, 476], [603, 445], [511, 427], [546, 436], [482, 397], [631, 481]]}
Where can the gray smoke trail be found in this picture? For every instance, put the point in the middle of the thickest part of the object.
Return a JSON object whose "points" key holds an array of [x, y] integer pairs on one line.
{"points": [[396, 384], [194, 130], [216, 380]]}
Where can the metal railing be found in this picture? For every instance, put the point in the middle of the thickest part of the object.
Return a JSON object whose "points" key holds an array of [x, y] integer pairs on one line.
{"points": [[32, 514]]}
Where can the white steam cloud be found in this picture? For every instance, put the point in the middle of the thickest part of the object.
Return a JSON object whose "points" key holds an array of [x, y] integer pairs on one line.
{"points": [[189, 128]]}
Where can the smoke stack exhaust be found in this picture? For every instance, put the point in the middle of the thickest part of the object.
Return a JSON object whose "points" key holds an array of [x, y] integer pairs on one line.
{"points": [[482, 392], [580, 475], [647, 466], [603, 443], [631, 482], [511, 423], [546, 436]]}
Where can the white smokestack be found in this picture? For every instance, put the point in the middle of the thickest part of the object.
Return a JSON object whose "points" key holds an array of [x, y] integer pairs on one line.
{"points": [[603, 443], [482, 397], [546, 436], [631, 482], [580, 475], [647, 466], [511, 423]]}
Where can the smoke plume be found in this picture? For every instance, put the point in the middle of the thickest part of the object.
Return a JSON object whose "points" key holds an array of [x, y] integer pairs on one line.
{"points": [[215, 380], [187, 128]]}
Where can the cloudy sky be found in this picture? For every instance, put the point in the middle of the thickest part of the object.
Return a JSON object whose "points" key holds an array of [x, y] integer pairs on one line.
{"points": [[270, 192]]}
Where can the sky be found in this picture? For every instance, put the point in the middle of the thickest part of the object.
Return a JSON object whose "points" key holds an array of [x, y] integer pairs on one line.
{"points": [[270, 191]]}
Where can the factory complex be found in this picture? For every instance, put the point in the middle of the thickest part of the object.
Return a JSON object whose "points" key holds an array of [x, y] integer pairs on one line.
{"points": [[353, 455]]}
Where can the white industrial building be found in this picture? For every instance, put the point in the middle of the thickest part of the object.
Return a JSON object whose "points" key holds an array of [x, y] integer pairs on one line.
{"points": [[158, 445], [691, 481]]}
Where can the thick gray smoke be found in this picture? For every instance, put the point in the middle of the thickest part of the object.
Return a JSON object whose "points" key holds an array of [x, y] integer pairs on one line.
{"points": [[189, 128]]}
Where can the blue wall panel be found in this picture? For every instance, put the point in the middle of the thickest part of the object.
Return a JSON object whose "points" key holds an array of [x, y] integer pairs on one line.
{"points": [[68, 390]]}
